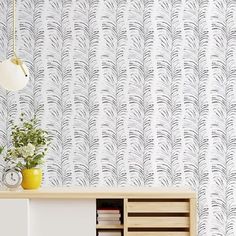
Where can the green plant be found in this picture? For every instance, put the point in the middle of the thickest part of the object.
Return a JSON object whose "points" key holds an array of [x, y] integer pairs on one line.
{"points": [[29, 144]]}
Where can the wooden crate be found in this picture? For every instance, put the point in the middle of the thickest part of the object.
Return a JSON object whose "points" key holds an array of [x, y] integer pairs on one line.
{"points": [[160, 217]]}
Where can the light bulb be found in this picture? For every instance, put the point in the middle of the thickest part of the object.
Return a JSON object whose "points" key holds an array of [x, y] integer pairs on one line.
{"points": [[12, 77]]}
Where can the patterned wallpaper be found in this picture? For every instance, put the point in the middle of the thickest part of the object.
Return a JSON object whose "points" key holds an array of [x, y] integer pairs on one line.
{"points": [[133, 92]]}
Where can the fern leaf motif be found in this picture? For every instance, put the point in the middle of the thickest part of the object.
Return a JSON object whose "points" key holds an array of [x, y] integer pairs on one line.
{"points": [[168, 94], [113, 98], [140, 100], [196, 105], [85, 93], [31, 39], [59, 92], [223, 133]]}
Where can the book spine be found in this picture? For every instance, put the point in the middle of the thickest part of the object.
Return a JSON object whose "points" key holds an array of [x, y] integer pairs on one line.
{"points": [[106, 219], [108, 212], [109, 215], [109, 222]]}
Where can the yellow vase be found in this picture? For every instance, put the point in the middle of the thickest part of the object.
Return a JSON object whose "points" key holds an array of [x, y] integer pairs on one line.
{"points": [[32, 178]]}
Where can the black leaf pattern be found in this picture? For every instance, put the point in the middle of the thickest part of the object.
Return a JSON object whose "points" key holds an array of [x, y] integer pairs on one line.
{"points": [[59, 92], [113, 98], [32, 43], [140, 100], [85, 93], [168, 93], [196, 105], [223, 130], [132, 92]]}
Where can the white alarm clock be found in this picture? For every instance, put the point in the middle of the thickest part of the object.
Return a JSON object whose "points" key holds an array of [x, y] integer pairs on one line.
{"points": [[12, 177]]}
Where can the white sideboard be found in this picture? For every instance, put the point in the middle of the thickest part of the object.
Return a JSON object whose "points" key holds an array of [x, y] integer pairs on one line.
{"points": [[49, 217], [72, 212], [14, 217]]}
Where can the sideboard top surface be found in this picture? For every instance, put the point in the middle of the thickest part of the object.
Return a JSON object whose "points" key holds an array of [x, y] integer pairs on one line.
{"points": [[96, 193]]}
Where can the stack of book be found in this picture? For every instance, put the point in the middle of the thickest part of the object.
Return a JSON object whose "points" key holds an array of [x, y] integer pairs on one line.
{"points": [[109, 233], [108, 216]]}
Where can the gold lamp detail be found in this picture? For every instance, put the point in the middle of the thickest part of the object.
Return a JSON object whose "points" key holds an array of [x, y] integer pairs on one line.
{"points": [[14, 75]]}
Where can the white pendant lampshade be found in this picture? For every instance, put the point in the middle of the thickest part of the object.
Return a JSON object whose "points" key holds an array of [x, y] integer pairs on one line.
{"points": [[13, 76]]}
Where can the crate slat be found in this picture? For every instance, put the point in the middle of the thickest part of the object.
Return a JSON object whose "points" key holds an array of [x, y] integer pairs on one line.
{"points": [[155, 222], [158, 207]]}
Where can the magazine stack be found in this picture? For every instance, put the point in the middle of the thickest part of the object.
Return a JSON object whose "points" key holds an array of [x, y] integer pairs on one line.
{"points": [[108, 216]]}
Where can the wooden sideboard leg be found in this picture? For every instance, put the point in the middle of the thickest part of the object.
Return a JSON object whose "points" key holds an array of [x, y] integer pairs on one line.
{"points": [[125, 217], [193, 218]]}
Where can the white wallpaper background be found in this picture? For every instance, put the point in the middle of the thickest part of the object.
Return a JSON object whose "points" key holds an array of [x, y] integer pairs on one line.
{"points": [[134, 93]]}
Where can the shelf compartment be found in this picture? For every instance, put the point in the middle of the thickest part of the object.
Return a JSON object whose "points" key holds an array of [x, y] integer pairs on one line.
{"points": [[111, 204]]}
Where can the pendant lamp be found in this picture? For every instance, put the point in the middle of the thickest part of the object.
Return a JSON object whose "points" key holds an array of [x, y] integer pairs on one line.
{"points": [[14, 75]]}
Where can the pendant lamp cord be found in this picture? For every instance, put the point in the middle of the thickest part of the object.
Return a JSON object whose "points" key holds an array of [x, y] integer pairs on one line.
{"points": [[17, 60]]}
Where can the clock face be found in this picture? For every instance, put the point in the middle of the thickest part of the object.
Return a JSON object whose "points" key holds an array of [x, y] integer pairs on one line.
{"points": [[12, 178]]}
